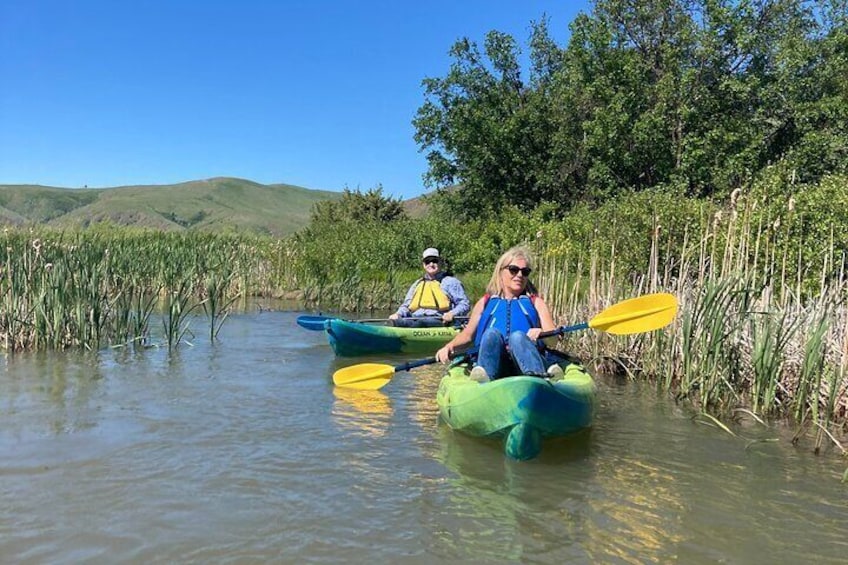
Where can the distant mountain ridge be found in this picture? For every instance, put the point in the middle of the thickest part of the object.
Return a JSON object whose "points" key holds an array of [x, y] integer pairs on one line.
{"points": [[216, 204]]}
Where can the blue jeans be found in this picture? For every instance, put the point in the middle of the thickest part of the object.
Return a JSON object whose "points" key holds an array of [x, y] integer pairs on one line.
{"points": [[522, 357], [419, 322]]}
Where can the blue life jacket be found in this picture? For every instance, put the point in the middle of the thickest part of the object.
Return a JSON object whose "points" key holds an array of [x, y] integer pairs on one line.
{"points": [[508, 315]]}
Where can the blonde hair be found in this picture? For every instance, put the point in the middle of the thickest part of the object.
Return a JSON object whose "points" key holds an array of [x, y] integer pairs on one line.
{"points": [[495, 286]]}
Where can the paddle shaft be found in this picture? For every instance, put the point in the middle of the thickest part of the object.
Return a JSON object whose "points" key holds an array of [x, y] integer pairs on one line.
{"points": [[320, 318], [316, 323], [564, 329], [408, 318], [413, 364]]}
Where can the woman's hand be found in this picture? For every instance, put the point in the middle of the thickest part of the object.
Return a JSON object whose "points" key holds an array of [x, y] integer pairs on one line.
{"points": [[394, 316], [444, 354]]}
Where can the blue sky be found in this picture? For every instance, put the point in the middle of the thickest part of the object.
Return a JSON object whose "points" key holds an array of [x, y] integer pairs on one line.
{"points": [[318, 93]]}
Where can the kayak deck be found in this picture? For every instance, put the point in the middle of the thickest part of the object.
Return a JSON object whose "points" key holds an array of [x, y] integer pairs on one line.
{"points": [[349, 339], [524, 409]]}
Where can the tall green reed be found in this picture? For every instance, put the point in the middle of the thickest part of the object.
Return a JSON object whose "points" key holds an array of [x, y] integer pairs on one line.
{"points": [[216, 303], [750, 332], [100, 286], [178, 309]]}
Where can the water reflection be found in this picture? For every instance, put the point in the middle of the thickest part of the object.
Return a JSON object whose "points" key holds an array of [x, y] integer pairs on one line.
{"points": [[515, 511], [367, 412], [421, 386], [57, 392], [639, 511]]}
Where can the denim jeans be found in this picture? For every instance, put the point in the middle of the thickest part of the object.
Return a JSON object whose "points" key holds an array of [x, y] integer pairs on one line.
{"points": [[420, 322], [521, 358]]}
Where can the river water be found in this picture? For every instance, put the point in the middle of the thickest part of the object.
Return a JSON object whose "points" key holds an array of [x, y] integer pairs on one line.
{"points": [[242, 451]]}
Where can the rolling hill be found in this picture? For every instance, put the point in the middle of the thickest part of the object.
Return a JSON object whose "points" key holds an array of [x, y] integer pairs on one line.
{"points": [[216, 204]]}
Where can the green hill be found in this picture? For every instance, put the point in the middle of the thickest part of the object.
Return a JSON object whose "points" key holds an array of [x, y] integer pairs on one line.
{"points": [[217, 204]]}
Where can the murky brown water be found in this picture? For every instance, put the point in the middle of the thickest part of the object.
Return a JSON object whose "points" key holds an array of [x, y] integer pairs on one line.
{"points": [[243, 452]]}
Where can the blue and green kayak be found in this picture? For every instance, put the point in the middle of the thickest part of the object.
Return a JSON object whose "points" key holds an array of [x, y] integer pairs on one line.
{"points": [[349, 339], [524, 409]]}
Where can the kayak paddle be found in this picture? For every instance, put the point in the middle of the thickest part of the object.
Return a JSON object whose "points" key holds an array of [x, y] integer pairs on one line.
{"points": [[371, 376], [632, 316], [635, 315], [316, 323]]}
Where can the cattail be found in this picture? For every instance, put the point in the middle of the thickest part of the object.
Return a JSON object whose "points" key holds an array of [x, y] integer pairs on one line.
{"points": [[717, 219], [734, 197]]}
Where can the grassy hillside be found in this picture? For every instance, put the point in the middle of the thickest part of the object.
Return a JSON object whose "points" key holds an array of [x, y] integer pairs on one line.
{"points": [[418, 207], [217, 204], [40, 204]]}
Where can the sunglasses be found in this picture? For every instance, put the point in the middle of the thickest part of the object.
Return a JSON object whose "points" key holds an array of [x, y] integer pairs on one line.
{"points": [[515, 269], [429, 260]]}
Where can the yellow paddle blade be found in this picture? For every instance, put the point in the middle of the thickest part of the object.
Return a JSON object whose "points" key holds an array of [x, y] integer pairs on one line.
{"points": [[365, 376], [637, 315]]}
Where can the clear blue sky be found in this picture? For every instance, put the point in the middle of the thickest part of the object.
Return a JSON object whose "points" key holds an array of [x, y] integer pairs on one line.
{"points": [[316, 93]]}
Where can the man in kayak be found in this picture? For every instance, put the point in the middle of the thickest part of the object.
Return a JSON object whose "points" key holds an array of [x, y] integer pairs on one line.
{"points": [[435, 299]]}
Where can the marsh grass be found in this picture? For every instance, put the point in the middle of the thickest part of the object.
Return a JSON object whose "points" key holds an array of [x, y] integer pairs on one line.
{"points": [[218, 299], [178, 309], [100, 287], [131, 309], [752, 333]]}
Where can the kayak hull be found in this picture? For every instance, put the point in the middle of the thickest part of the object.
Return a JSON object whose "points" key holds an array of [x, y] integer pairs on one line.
{"points": [[350, 339], [522, 409]]}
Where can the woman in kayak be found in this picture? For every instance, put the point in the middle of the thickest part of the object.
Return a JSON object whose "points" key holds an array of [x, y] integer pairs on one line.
{"points": [[505, 324], [434, 299]]}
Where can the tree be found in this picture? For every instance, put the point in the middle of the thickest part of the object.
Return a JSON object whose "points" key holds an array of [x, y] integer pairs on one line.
{"points": [[702, 94], [357, 206], [485, 128]]}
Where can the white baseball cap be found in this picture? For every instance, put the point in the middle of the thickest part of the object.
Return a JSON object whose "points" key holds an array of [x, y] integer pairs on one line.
{"points": [[430, 252]]}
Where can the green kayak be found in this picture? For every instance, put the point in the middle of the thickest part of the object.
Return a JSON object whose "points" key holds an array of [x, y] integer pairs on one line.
{"points": [[524, 409], [349, 339]]}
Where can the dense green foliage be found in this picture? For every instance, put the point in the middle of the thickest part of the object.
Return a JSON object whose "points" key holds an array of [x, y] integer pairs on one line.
{"points": [[799, 228], [701, 94]]}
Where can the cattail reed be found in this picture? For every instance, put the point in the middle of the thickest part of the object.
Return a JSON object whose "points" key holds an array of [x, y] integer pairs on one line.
{"points": [[99, 287], [756, 328]]}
